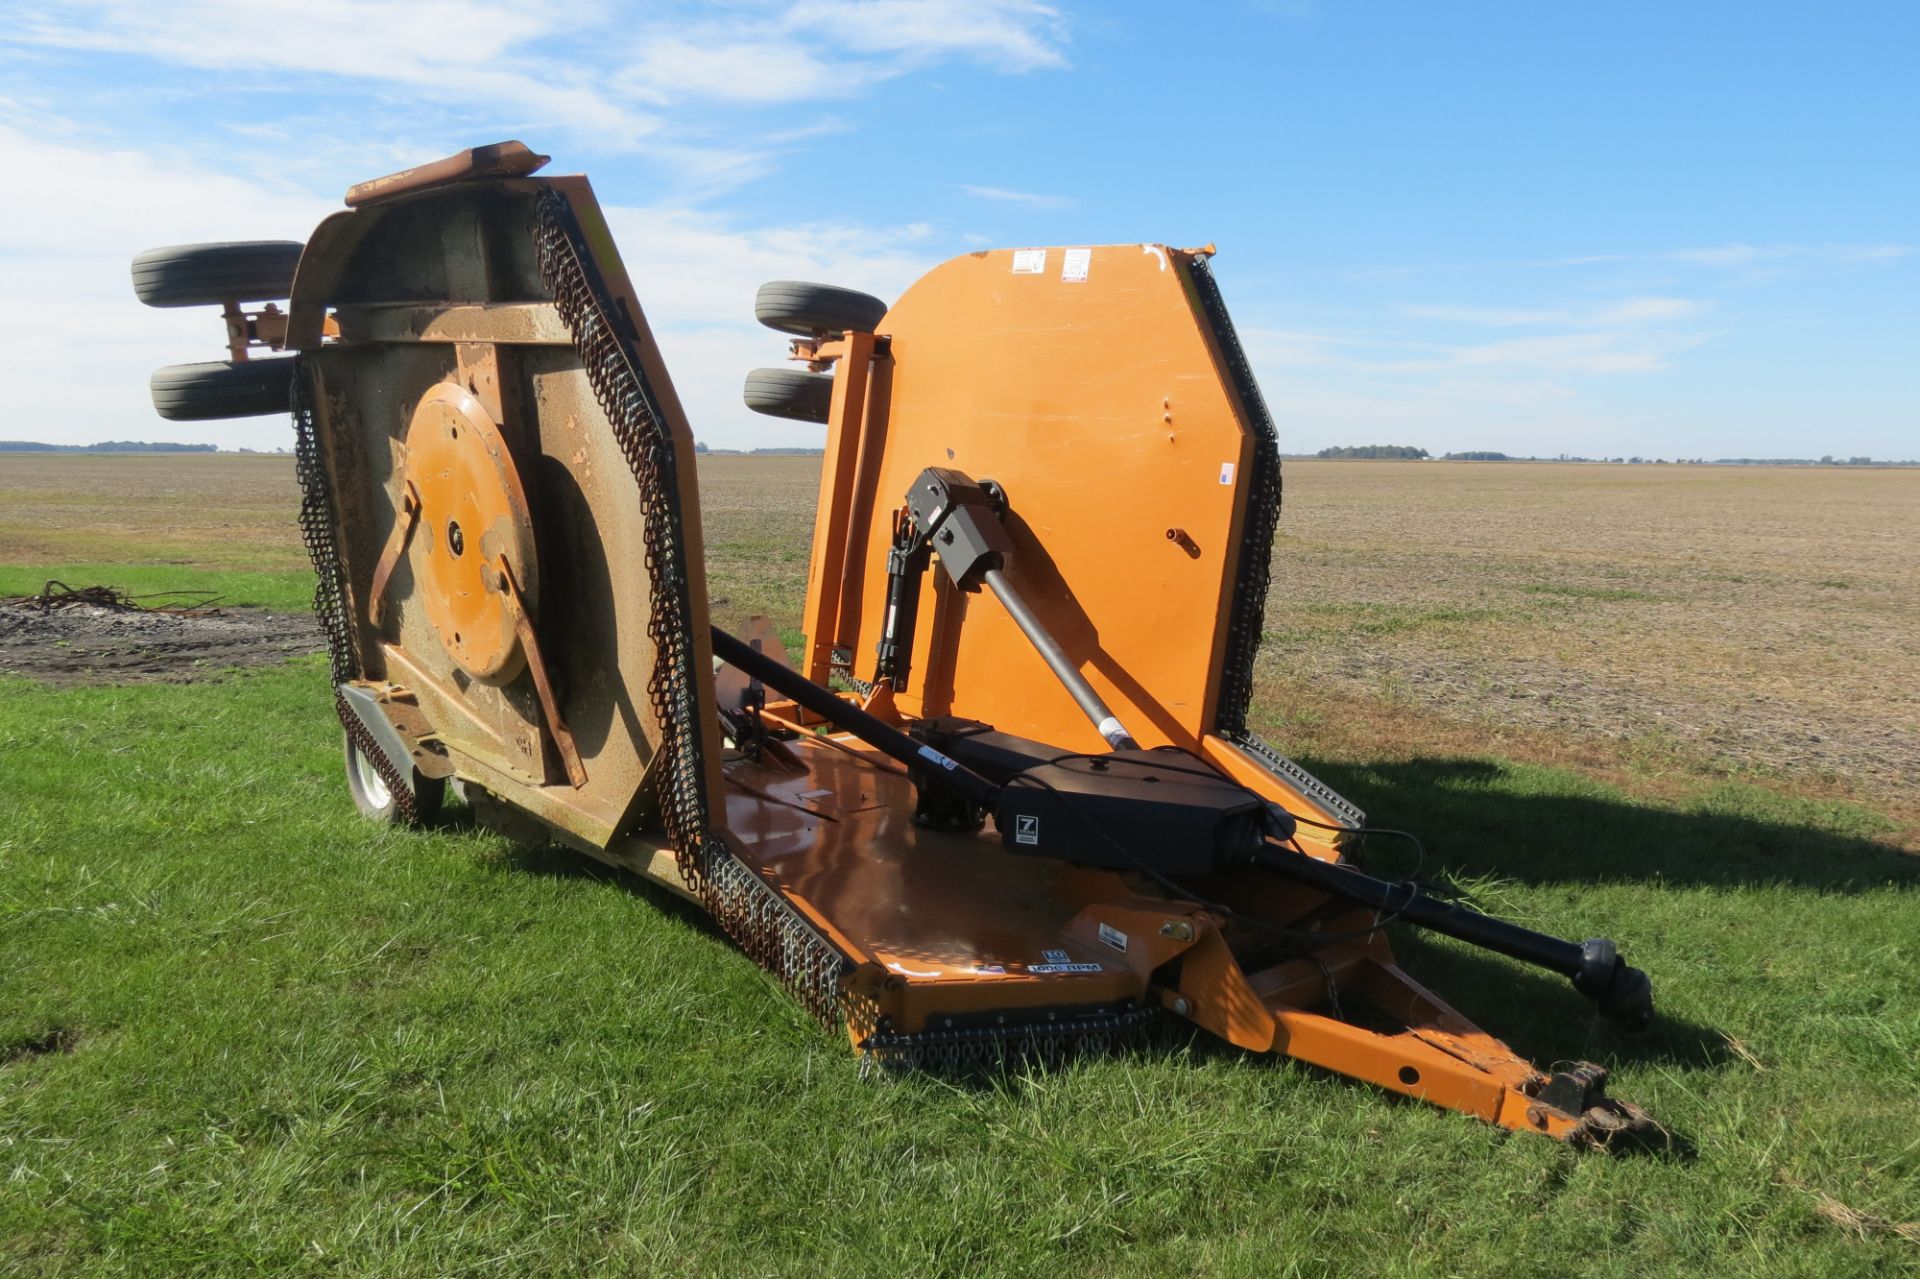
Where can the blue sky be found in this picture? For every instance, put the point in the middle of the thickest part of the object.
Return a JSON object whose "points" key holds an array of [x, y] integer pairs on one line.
{"points": [[1662, 229]]}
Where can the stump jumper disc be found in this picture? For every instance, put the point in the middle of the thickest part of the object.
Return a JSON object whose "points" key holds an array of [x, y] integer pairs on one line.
{"points": [[473, 510]]}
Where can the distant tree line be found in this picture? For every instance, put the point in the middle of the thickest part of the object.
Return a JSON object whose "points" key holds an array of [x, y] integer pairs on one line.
{"points": [[1403, 451], [1827, 460], [704, 450], [1408, 451], [109, 446]]}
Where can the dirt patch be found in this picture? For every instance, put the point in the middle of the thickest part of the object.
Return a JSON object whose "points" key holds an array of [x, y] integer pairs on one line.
{"points": [[58, 1040], [91, 644]]}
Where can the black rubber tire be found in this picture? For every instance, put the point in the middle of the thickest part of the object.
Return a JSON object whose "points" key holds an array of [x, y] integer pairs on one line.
{"points": [[203, 274], [376, 801], [792, 393], [223, 388], [816, 310]]}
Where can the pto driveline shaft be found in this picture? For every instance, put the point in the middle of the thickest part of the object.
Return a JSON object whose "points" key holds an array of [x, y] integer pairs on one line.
{"points": [[1595, 966], [870, 729]]}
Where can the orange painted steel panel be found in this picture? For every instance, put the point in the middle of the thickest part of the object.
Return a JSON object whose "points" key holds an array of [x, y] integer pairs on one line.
{"points": [[955, 921], [1089, 390], [831, 568]]}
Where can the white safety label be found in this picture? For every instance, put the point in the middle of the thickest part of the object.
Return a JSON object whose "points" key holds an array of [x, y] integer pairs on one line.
{"points": [[1113, 937], [1065, 968], [1073, 269], [1226, 472], [933, 756], [1029, 261]]}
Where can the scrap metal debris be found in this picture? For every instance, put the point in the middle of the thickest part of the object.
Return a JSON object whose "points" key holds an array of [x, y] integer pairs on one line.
{"points": [[57, 594]]}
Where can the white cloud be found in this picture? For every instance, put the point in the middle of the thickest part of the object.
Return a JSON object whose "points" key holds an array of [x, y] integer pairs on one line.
{"points": [[1633, 310], [818, 52], [78, 348], [1031, 199], [1569, 353], [668, 67], [538, 65], [696, 275], [1012, 35], [1406, 381], [1490, 316], [457, 51], [1647, 310], [1414, 360], [1742, 257]]}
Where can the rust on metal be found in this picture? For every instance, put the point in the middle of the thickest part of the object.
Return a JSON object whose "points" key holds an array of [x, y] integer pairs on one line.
{"points": [[495, 160], [502, 579], [474, 509], [396, 546]]}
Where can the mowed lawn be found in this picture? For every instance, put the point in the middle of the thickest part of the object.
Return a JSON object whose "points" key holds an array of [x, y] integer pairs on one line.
{"points": [[241, 1030]]}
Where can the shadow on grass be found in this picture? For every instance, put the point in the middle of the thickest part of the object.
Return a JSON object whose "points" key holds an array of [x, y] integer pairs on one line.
{"points": [[1478, 817], [557, 861]]}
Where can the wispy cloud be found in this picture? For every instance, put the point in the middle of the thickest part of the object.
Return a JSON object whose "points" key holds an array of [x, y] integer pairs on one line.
{"points": [[1588, 353], [541, 65], [402, 45], [1491, 316], [1031, 199], [90, 347], [1626, 311], [698, 274], [1742, 256], [817, 52], [1628, 335], [1010, 35], [80, 349], [1753, 261]]}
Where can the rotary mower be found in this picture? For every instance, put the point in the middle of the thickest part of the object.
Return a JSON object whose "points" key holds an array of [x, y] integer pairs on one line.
{"points": [[1003, 804]]}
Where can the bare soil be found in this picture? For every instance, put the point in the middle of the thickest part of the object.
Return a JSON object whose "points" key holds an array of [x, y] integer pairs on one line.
{"points": [[89, 644], [1762, 621]]}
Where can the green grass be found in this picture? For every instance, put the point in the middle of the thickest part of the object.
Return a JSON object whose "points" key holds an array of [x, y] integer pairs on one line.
{"points": [[1371, 620], [243, 1031]]}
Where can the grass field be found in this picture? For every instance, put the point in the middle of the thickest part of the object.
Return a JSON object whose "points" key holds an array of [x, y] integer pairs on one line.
{"points": [[240, 1030]]}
